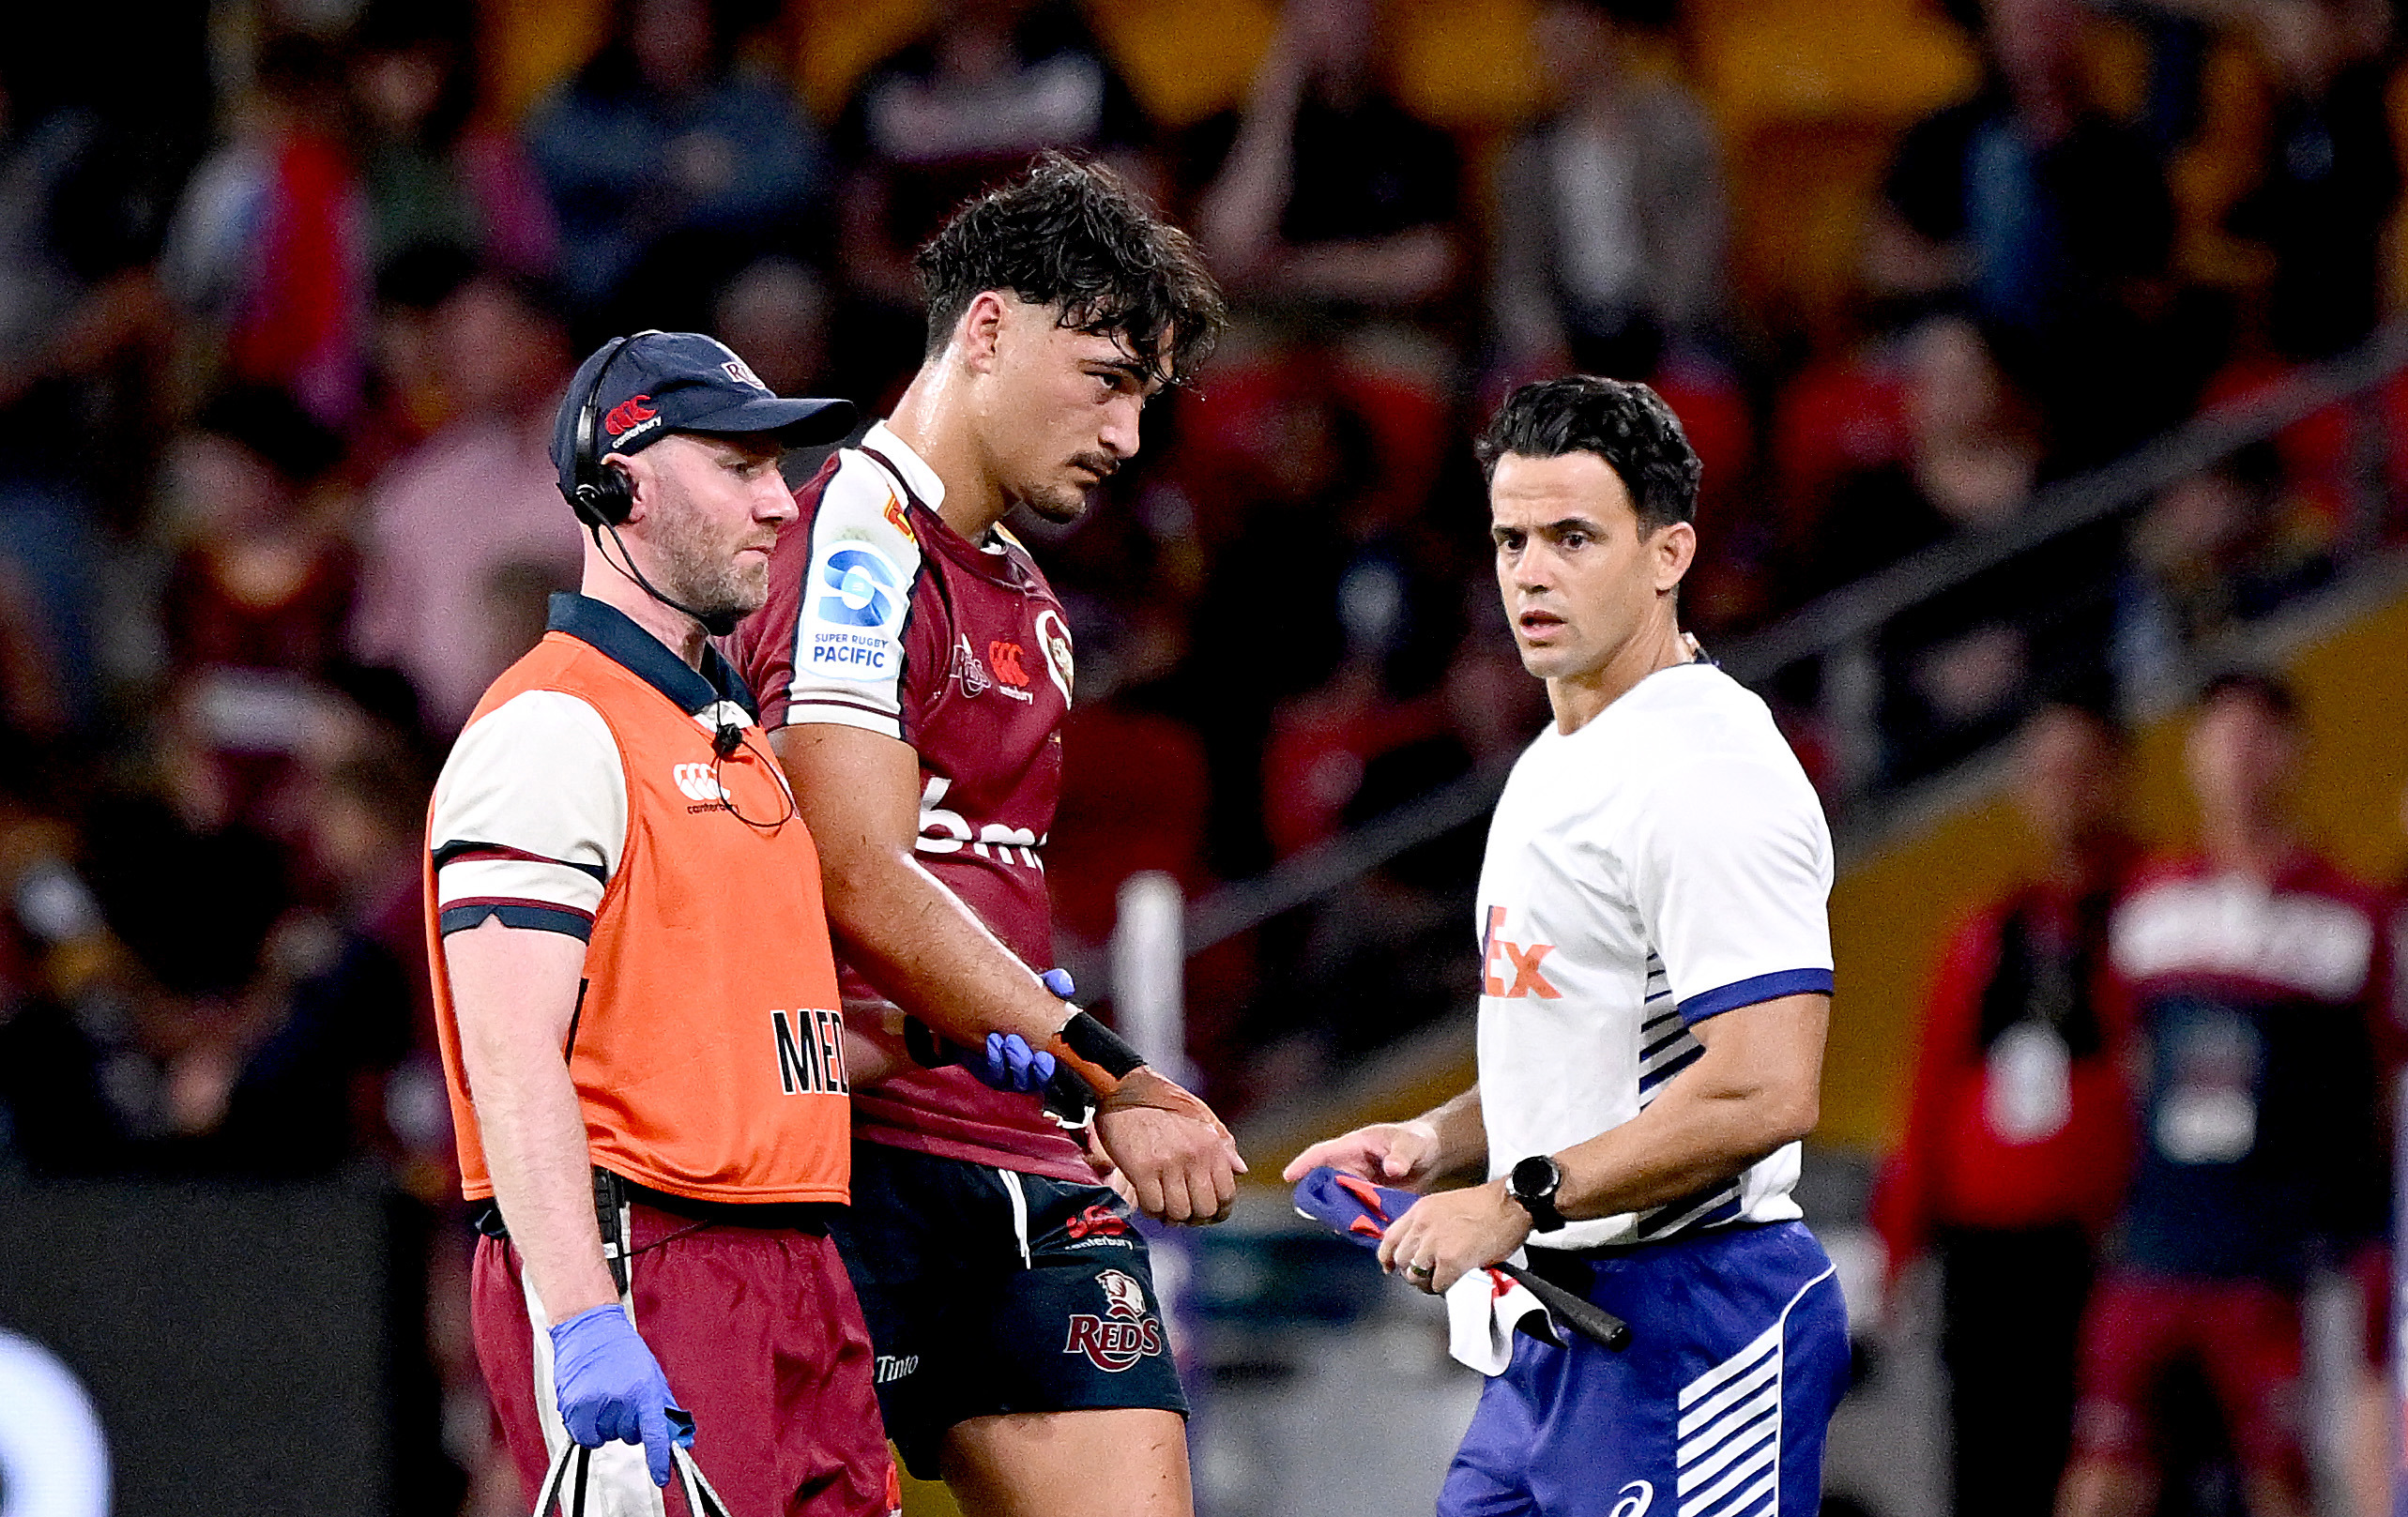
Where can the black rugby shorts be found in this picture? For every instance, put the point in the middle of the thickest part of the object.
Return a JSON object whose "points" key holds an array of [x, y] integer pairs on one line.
{"points": [[988, 1290]]}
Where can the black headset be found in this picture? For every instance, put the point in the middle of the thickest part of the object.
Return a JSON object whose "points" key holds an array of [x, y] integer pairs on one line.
{"points": [[601, 496]]}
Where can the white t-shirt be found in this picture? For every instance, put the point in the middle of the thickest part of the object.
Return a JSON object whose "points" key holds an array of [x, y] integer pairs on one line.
{"points": [[1663, 864], [529, 816]]}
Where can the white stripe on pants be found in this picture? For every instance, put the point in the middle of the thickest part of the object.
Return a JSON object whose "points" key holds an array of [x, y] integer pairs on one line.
{"points": [[619, 1483]]}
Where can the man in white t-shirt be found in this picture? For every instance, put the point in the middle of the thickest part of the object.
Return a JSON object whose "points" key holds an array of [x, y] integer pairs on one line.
{"points": [[1656, 982]]}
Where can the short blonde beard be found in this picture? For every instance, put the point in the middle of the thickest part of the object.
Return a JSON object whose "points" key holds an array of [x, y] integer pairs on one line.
{"points": [[700, 573]]}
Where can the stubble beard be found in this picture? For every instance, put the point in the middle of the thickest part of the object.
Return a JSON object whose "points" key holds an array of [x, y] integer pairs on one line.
{"points": [[699, 568], [1060, 505], [1061, 502]]}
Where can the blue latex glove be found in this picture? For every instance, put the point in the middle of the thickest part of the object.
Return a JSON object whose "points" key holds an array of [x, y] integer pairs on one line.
{"points": [[1357, 1210], [1008, 1063], [611, 1387]]}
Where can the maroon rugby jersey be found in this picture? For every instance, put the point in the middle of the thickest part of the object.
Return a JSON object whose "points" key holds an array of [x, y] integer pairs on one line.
{"points": [[880, 616], [2263, 1010]]}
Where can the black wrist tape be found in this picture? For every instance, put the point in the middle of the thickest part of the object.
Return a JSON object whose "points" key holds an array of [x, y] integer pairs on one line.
{"points": [[1067, 1098], [1101, 1046], [926, 1049]]}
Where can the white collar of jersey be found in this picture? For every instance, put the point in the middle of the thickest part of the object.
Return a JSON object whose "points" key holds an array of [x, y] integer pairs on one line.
{"points": [[721, 714], [916, 472]]}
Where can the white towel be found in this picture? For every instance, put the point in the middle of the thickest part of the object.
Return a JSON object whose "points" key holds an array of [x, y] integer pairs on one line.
{"points": [[1483, 1310]]}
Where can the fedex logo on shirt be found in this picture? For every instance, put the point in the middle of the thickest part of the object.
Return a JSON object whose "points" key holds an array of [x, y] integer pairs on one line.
{"points": [[1499, 953]]}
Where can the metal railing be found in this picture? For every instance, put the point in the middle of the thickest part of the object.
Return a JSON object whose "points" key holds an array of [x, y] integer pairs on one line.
{"points": [[1841, 627]]}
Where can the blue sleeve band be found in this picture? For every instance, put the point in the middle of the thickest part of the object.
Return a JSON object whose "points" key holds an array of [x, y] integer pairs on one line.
{"points": [[1754, 989], [575, 924]]}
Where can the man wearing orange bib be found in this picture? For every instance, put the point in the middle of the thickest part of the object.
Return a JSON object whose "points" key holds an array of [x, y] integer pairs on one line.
{"points": [[637, 1004]]}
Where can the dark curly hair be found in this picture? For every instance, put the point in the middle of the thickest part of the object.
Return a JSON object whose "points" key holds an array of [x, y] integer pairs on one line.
{"points": [[1074, 235], [1626, 424]]}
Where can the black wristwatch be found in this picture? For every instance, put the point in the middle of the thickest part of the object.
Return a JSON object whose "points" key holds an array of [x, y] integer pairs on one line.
{"points": [[1533, 1183]]}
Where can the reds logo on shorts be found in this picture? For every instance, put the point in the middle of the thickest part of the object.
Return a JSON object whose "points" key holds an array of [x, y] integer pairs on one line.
{"points": [[1124, 1334]]}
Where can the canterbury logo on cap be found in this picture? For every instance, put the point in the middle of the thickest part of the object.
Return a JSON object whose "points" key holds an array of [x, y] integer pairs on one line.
{"points": [[628, 415]]}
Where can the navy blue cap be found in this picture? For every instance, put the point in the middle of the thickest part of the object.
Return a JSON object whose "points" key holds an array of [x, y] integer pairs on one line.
{"points": [[664, 382]]}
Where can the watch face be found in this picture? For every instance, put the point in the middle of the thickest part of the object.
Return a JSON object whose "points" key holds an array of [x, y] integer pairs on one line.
{"points": [[1536, 1177]]}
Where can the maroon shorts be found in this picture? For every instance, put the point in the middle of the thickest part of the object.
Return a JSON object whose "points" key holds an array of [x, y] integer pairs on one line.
{"points": [[2243, 1337], [759, 1335]]}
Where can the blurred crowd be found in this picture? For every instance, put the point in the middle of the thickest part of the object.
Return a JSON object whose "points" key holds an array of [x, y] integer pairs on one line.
{"points": [[2152, 1109], [289, 291]]}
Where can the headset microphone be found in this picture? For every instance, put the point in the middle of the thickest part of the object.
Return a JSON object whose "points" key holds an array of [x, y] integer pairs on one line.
{"points": [[716, 623]]}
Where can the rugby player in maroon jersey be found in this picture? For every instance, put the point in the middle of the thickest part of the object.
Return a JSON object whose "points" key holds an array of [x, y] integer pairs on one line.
{"points": [[914, 669]]}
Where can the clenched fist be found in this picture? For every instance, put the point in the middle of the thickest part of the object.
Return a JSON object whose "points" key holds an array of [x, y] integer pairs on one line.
{"points": [[1176, 1155]]}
